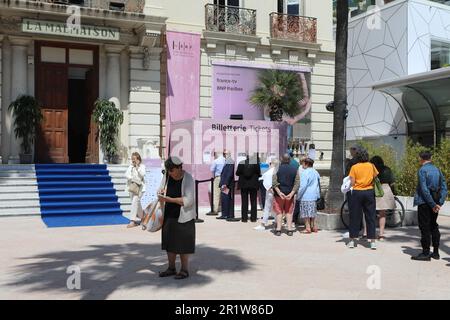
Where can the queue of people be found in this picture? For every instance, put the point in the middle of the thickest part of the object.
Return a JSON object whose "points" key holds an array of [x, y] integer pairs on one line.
{"points": [[282, 186], [285, 183]]}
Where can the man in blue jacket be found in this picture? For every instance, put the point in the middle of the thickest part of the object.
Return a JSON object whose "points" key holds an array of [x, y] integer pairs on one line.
{"points": [[430, 195]]}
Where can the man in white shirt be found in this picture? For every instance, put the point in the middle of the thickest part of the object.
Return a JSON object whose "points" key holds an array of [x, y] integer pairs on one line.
{"points": [[216, 170]]}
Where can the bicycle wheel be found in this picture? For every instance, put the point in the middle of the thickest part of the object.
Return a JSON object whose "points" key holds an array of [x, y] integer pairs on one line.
{"points": [[344, 214], [394, 218]]}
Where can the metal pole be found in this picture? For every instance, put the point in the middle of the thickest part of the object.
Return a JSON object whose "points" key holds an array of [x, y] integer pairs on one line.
{"points": [[212, 195], [197, 220]]}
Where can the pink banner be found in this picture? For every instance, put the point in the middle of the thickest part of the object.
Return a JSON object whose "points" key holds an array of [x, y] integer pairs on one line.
{"points": [[183, 78]]}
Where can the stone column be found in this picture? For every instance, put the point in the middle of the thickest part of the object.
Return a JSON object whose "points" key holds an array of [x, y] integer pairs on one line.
{"points": [[6, 100], [19, 84], [113, 73]]}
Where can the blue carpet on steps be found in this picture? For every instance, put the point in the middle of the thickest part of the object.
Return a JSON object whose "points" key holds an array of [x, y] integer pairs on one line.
{"points": [[74, 195]]}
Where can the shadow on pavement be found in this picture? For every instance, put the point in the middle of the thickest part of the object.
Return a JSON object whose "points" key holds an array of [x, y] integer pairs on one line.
{"points": [[106, 268], [407, 234]]}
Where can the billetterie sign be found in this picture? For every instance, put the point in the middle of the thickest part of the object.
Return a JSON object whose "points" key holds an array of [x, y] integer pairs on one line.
{"points": [[62, 29]]}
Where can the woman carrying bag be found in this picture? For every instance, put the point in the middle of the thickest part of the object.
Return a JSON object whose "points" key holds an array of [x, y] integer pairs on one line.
{"points": [[135, 186], [363, 177], [178, 205]]}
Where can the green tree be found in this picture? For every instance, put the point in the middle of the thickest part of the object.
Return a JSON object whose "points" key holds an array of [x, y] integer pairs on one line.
{"points": [[406, 181], [441, 158], [278, 92]]}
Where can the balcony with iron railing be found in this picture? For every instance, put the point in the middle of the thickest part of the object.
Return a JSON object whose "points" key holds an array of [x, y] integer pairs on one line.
{"points": [[230, 19], [293, 27]]}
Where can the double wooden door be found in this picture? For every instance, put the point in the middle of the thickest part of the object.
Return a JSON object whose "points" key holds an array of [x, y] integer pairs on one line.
{"points": [[52, 81]]}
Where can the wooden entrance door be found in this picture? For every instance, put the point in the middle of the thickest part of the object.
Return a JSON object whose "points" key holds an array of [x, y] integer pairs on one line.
{"points": [[91, 96], [52, 86]]}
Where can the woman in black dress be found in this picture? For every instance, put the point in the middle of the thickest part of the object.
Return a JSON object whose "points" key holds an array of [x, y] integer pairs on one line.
{"points": [[178, 231]]}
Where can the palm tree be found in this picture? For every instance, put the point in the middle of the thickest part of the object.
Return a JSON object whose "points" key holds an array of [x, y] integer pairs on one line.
{"points": [[278, 93], [335, 196]]}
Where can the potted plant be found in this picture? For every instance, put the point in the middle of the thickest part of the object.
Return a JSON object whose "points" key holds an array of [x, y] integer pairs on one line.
{"points": [[278, 93], [27, 118], [108, 118]]}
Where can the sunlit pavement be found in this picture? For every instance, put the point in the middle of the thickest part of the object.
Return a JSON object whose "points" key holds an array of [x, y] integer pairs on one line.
{"points": [[232, 261]]}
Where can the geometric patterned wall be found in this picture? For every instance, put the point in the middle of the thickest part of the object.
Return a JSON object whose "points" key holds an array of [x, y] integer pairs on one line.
{"points": [[426, 21], [386, 44], [377, 44]]}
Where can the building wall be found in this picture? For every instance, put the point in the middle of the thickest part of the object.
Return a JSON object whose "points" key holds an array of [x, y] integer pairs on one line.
{"points": [[384, 44], [426, 21], [192, 16], [192, 19], [144, 101], [377, 50]]}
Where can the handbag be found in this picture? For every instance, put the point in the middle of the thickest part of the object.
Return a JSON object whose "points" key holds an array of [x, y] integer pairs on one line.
{"points": [[133, 187], [320, 203], [153, 215], [378, 188]]}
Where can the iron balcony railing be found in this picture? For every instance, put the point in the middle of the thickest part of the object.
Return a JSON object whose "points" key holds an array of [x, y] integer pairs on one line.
{"points": [[293, 27], [136, 6], [230, 19]]}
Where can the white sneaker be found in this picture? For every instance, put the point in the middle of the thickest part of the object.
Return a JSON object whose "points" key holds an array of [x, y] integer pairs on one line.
{"points": [[373, 245], [351, 244], [259, 228]]}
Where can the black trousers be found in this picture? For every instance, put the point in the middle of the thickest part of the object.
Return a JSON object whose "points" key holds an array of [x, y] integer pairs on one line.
{"points": [[262, 193], [428, 228], [296, 210], [244, 208], [362, 203], [227, 204]]}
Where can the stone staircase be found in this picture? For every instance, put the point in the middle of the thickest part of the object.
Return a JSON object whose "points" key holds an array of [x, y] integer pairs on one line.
{"points": [[19, 194], [117, 174]]}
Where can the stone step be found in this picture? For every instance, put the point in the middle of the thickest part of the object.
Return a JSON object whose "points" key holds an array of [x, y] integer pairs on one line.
{"points": [[20, 211], [22, 203], [17, 174], [32, 195], [17, 167], [18, 183], [8, 189]]}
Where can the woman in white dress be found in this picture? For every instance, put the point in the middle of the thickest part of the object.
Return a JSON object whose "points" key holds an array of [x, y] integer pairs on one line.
{"points": [[135, 176]]}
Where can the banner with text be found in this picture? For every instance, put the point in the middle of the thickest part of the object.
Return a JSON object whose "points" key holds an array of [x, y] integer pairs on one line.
{"points": [[233, 84], [183, 77]]}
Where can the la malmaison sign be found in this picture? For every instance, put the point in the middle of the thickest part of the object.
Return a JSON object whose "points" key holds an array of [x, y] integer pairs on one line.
{"points": [[62, 29]]}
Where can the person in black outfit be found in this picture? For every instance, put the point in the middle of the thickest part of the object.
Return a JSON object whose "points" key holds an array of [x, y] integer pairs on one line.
{"points": [[248, 172], [178, 230], [226, 186]]}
